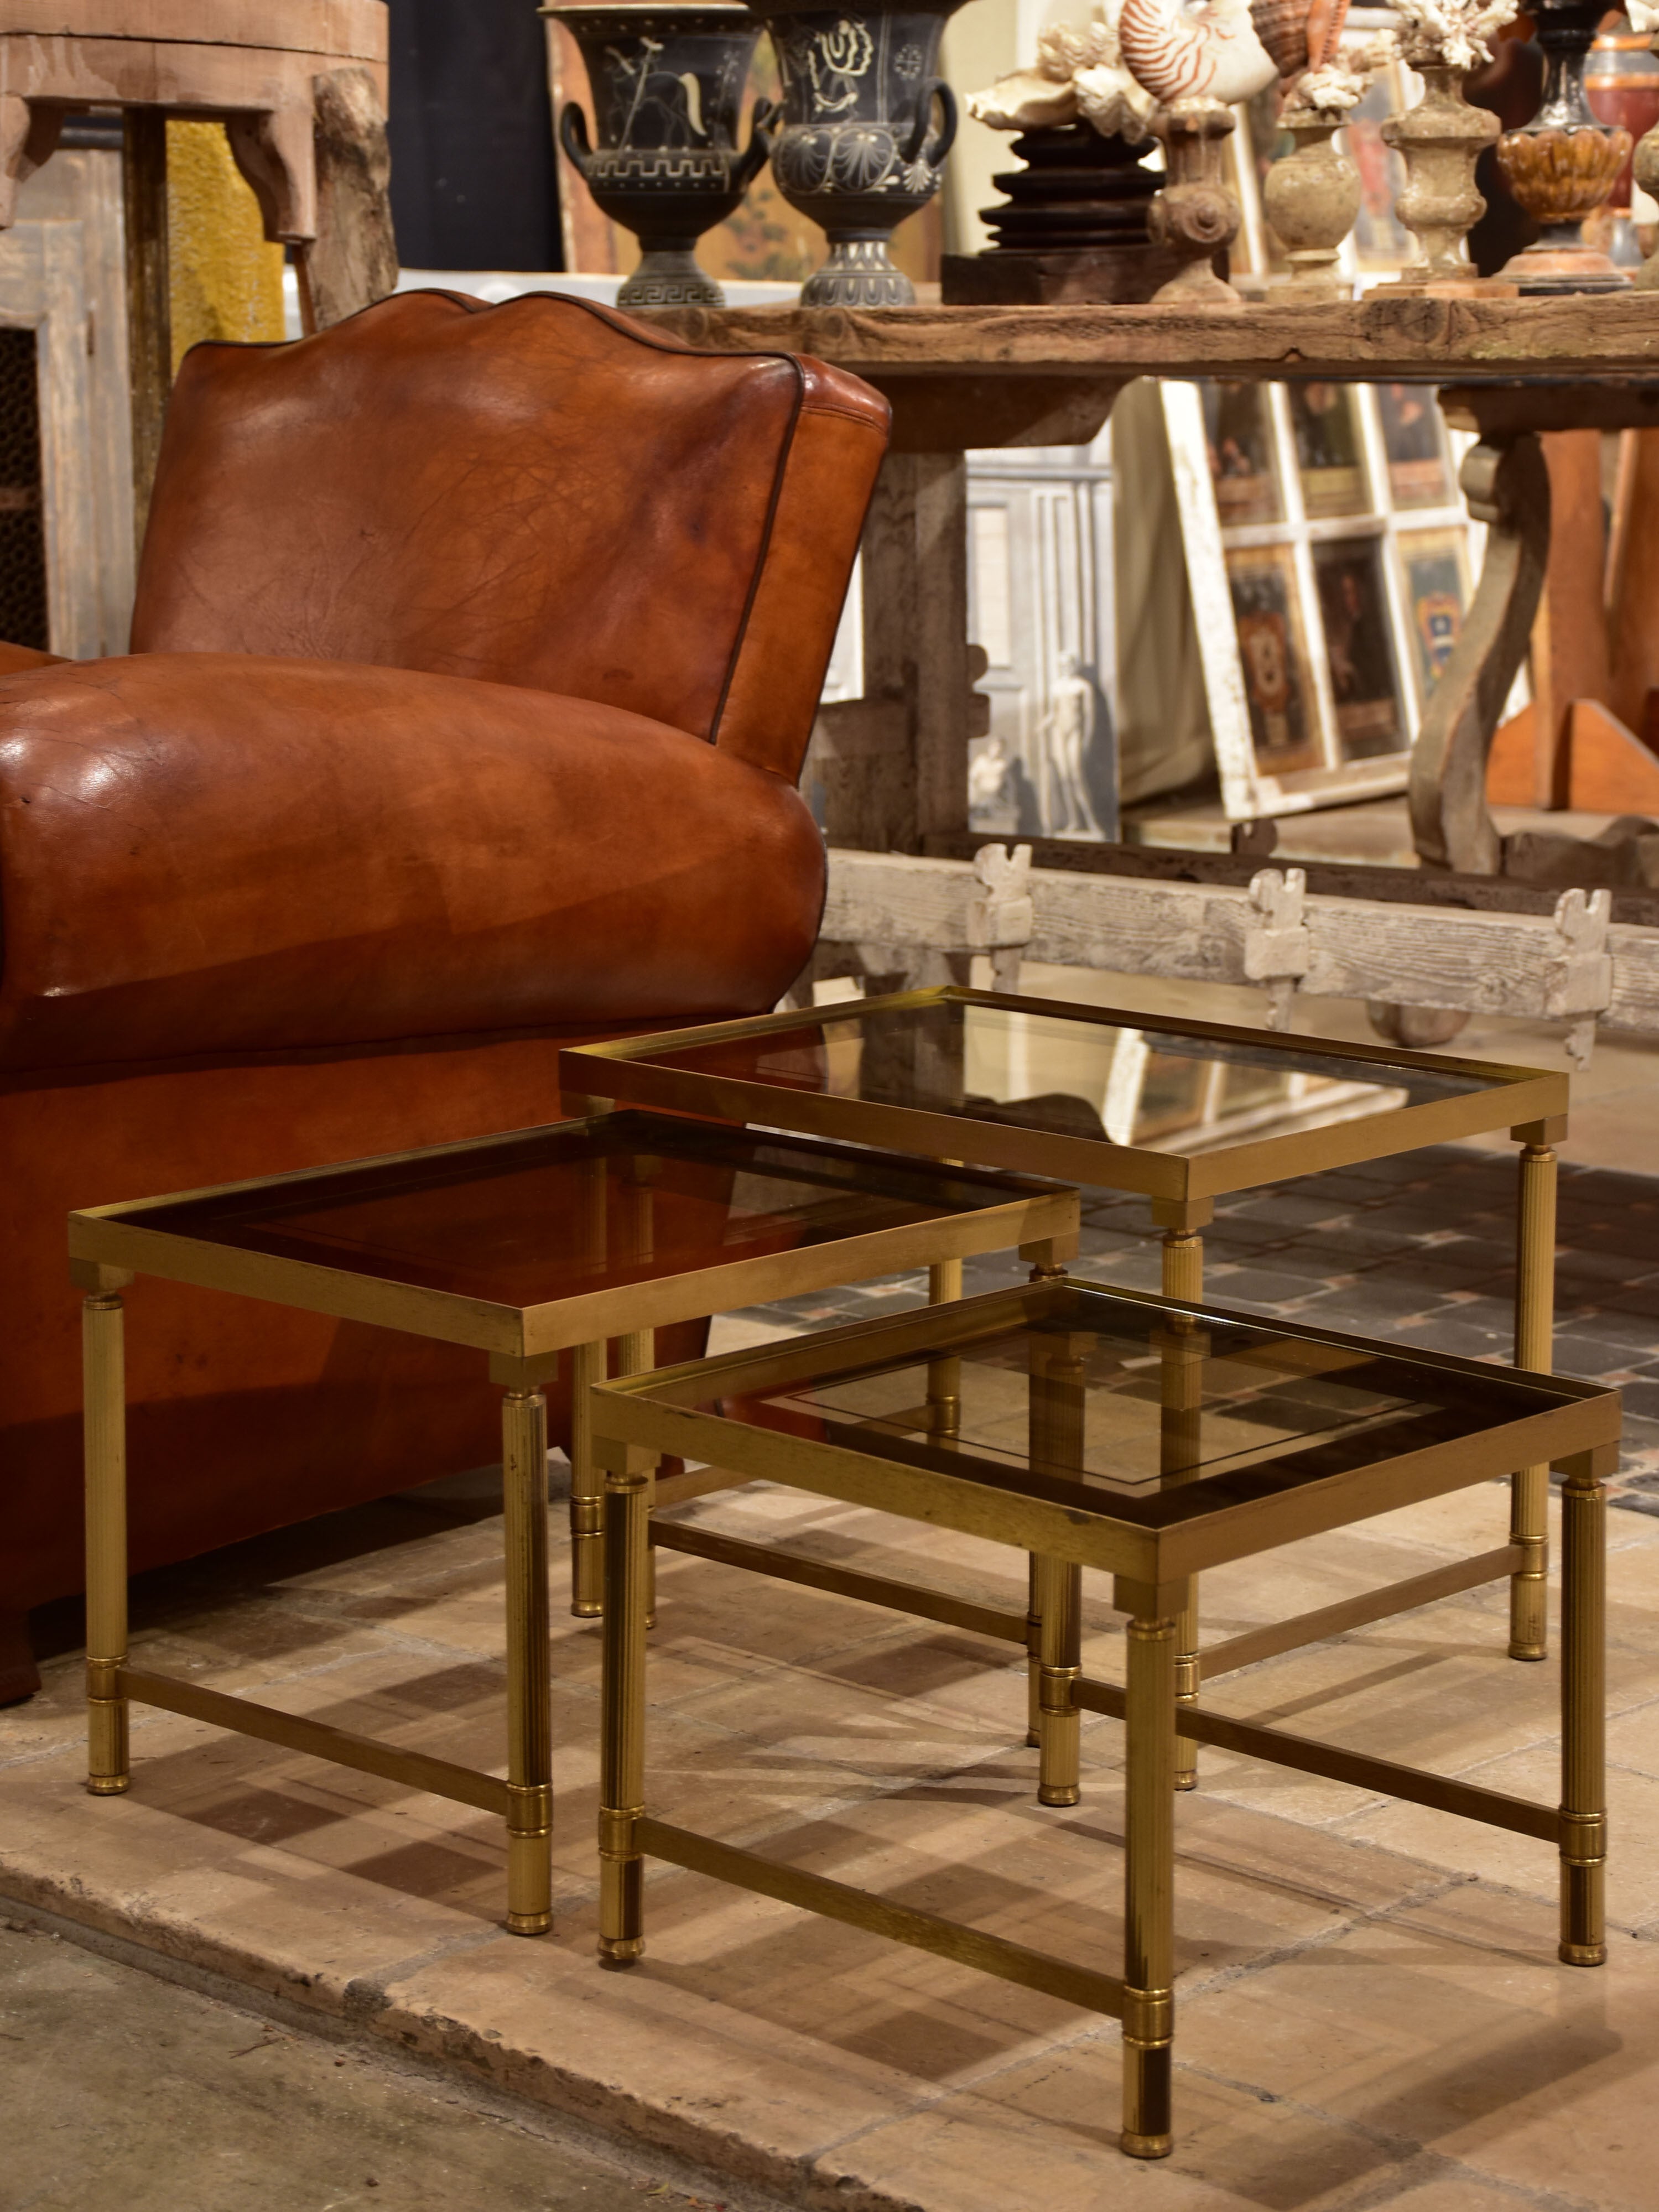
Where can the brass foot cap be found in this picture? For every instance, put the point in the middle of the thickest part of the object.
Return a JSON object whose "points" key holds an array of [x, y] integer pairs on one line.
{"points": [[1134, 2146], [1032, 1738], [617, 1952], [108, 1785], [1058, 1793], [1582, 1954], [529, 1923], [1528, 1651], [1186, 1782], [586, 1608]]}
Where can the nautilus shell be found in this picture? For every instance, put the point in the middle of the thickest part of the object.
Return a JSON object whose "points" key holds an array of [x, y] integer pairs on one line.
{"points": [[1209, 51], [1299, 34]]}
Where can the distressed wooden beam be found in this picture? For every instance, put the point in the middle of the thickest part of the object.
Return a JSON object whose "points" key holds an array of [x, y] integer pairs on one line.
{"points": [[1464, 959]]}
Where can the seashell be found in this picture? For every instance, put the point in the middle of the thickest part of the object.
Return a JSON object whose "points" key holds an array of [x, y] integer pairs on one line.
{"points": [[1282, 27], [1116, 105], [1209, 51], [1029, 99], [1325, 21]]}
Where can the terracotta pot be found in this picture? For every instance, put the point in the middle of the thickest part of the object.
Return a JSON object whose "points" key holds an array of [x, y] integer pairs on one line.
{"points": [[667, 84]]}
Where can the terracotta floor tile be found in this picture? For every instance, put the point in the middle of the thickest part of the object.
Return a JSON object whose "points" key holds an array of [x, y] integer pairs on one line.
{"points": [[1446, 2029], [1518, 1862]]}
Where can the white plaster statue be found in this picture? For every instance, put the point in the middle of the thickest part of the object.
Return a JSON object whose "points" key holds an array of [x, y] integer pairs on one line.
{"points": [[1068, 729]]}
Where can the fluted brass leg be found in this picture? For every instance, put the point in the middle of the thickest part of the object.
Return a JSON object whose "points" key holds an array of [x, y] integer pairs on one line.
{"points": [[1042, 1272], [944, 1374], [637, 1355], [529, 1689], [103, 1358], [1183, 1278], [587, 1490], [1033, 1652], [1149, 1882], [1534, 1323], [1583, 1726], [622, 1774], [1055, 1445], [1059, 1607]]}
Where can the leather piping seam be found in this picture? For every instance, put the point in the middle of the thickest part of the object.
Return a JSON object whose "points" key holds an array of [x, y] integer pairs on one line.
{"points": [[757, 576], [843, 414]]}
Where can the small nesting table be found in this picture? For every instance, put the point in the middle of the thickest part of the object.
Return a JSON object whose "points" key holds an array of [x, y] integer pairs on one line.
{"points": [[948, 1073], [526, 1246], [1150, 1440]]}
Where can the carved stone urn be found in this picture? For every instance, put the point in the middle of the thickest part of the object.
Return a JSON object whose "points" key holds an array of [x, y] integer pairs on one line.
{"points": [[1440, 140], [866, 125], [667, 84], [1311, 199], [1562, 165]]}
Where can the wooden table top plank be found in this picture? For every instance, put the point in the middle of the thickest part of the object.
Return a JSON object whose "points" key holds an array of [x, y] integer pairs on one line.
{"points": [[1395, 337]]}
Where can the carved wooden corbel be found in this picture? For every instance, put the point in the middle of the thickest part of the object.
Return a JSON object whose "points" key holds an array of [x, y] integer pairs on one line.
{"points": [[1278, 949], [29, 132], [1507, 487]]}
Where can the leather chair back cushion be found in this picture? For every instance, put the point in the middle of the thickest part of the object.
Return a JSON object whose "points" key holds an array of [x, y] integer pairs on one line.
{"points": [[205, 854], [542, 493]]}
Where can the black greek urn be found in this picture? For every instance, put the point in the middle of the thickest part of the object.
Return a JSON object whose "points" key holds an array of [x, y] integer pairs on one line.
{"points": [[866, 126], [667, 84]]}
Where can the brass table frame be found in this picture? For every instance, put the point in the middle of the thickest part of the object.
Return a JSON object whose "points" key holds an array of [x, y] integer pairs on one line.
{"points": [[1531, 1103], [1558, 1419], [111, 1245]]}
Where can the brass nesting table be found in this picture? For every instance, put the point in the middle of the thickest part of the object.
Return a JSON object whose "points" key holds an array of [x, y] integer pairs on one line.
{"points": [[935, 1073], [527, 1246], [1149, 1439]]}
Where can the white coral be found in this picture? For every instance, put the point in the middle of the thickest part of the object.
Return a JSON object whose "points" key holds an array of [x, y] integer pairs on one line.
{"points": [[1643, 18], [1456, 32], [1080, 73], [1338, 85], [1332, 90]]}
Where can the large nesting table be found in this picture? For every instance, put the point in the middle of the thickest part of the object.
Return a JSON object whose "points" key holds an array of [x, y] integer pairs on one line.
{"points": [[914, 1072], [896, 761]]}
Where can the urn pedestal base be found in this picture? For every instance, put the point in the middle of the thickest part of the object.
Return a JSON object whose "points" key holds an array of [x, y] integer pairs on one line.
{"points": [[1059, 277], [1073, 229]]}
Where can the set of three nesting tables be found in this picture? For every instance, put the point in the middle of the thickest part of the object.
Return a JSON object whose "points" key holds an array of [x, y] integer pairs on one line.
{"points": [[1152, 1438]]}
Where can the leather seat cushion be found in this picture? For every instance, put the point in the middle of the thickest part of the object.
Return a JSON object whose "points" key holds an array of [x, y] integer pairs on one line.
{"points": [[208, 852]]}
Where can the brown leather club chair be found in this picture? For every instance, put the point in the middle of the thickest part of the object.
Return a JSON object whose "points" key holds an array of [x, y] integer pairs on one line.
{"points": [[475, 654]]}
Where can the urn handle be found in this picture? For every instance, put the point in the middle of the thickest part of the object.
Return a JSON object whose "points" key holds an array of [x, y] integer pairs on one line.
{"points": [[573, 136], [758, 151], [933, 149]]}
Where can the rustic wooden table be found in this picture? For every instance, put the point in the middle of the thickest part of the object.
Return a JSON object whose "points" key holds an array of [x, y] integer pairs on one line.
{"points": [[895, 762]]}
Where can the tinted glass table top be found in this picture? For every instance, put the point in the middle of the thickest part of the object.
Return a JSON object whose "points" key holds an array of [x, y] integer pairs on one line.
{"points": [[563, 1212], [1128, 1408], [1117, 1082]]}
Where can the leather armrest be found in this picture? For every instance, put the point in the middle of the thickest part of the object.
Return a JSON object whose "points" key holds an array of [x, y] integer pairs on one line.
{"points": [[206, 853], [14, 659]]}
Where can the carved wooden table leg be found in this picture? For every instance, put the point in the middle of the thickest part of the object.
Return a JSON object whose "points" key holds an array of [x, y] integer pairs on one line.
{"points": [[1507, 487]]}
